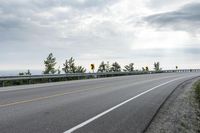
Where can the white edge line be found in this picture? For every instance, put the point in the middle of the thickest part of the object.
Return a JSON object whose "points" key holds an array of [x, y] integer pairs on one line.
{"points": [[117, 106]]}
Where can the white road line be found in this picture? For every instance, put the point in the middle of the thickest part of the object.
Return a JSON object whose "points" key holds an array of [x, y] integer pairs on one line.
{"points": [[117, 106]]}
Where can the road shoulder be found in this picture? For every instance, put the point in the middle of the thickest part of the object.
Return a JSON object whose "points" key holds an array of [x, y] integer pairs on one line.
{"points": [[179, 114]]}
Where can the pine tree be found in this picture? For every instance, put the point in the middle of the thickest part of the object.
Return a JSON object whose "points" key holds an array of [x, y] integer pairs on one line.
{"points": [[70, 67], [107, 67], [157, 66], [25, 73], [28, 72], [66, 67], [115, 67], [146, 68], [102, 67], [129, 68], [80, 69], [50, 63]]}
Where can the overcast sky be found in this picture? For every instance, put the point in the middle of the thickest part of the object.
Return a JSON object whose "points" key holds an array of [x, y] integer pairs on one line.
{"points": [[138, 31]]}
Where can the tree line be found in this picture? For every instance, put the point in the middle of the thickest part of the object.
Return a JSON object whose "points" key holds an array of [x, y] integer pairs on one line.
{"points": [[69, 66]]}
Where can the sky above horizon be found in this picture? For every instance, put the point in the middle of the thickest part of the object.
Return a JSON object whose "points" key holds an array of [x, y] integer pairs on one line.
{"points": [[91, 31]]}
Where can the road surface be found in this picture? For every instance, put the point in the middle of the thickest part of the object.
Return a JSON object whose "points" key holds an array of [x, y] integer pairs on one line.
{"points": [[108, 105]]}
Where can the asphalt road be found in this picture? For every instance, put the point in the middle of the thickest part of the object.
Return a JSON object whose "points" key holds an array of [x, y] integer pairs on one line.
{"points": [[108, 105]]}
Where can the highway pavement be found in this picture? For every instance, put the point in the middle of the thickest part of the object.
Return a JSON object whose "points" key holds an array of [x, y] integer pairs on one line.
{"points": [[123, 104]]}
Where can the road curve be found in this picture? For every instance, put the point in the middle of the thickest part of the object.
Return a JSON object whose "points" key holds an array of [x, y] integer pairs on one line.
{"points": [[107, 105]]}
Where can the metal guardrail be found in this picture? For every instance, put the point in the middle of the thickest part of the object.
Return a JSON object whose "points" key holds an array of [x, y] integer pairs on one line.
{"points": [[85, 75], [51, 76]]}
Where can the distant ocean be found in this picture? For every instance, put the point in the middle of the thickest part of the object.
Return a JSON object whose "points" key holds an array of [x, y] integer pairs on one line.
{"points": [[16, 72]]}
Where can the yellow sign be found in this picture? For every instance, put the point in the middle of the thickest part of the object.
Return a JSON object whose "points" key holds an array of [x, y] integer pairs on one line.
{"points": [[92, 66]]}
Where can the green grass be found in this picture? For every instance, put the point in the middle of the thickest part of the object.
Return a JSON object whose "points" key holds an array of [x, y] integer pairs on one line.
{"points": [[197, 91], [196, 87]]}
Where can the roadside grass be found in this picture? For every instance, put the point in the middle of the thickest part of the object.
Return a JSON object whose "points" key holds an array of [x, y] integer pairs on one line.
{"points": [[196, 88], [197, 91]]}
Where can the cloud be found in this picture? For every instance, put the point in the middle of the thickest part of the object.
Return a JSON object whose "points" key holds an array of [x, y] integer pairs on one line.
{"points": [[186, 18], [167, 5], [65, 22], [89, 30], [66, 28]]}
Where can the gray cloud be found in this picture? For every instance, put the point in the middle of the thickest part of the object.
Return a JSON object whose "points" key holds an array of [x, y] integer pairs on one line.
{"points": [[25, 30], [87, 3], [186, 18], [160, 4], [84, 29]]}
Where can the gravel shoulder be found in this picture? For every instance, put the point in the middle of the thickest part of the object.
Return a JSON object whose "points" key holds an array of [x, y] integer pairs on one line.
{"points": [[179, 114]]}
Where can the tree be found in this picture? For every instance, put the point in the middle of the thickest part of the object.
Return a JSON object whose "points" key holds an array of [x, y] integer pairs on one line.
{"points": [[129, 68], [25, 73], [80, 69], [115, 67], [157, 66], [50, 63], [102, 67], [28, 72], [146, 68], [66, 67], [107, 67], [21, 74], [70, 67]]}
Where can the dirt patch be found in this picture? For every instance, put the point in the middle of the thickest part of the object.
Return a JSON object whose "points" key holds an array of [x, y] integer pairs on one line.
{"points": [[180, 113]]}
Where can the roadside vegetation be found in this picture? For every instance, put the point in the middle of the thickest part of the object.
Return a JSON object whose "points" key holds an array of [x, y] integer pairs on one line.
{"points": [[70, 66], [196, 88], [197, 92]]}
